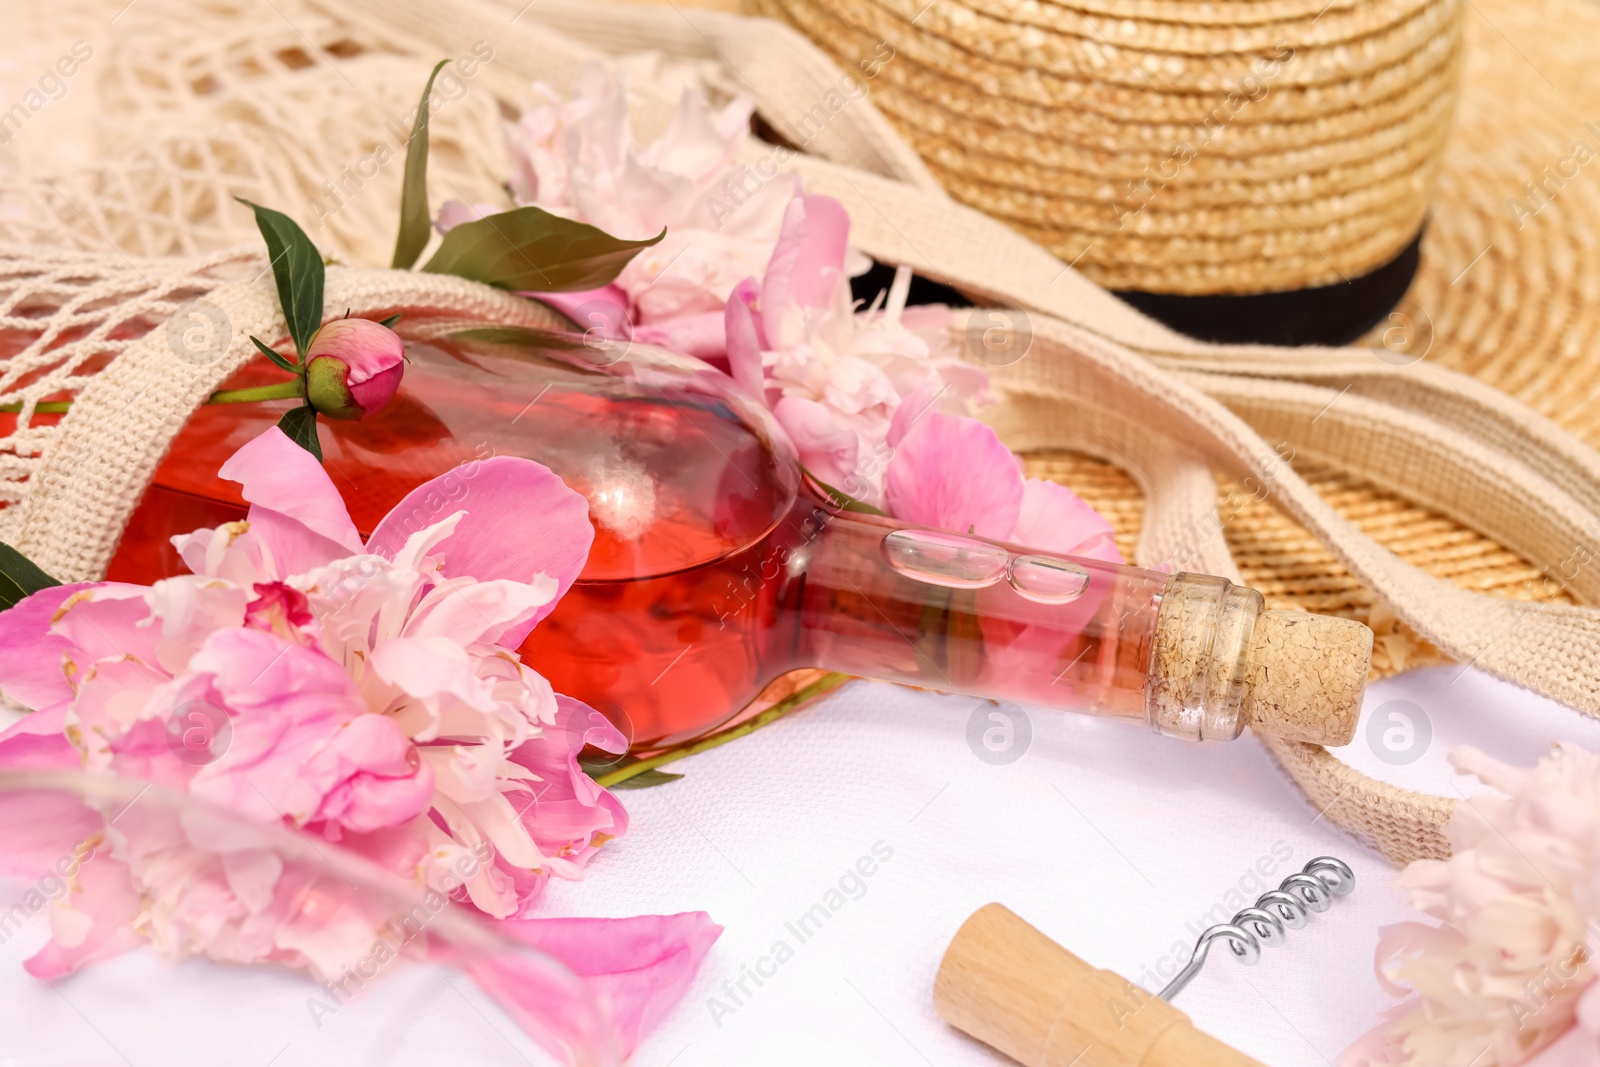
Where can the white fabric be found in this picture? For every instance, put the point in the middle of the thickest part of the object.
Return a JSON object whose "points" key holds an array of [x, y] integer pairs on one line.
{"points": [[1113, 841]]}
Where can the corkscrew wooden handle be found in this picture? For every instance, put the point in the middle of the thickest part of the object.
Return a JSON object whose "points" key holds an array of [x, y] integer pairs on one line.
{"points": [[1011, 987]]}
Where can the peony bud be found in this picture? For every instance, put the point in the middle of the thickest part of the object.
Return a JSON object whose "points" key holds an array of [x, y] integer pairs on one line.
{"points": [[353, 368]]}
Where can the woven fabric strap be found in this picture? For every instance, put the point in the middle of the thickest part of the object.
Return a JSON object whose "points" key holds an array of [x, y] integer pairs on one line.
{"points": [[1097, 377]]}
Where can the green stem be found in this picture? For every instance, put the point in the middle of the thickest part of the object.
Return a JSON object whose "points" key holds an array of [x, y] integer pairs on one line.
{"points": [[826, 684], [289, 390]]}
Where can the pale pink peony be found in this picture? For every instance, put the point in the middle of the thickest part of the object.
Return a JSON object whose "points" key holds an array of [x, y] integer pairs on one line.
{"points": [[367, 694], [1506, 977], [577, 158], [838, 378]]}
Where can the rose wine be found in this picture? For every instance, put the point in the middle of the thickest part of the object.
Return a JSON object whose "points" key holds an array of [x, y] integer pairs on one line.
{"points": [[717, 567]]}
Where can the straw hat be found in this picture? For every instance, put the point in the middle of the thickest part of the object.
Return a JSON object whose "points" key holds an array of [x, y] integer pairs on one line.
{"points": [[1193, 155]]}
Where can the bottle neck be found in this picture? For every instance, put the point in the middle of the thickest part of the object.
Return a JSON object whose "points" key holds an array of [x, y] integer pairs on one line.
{"points": [[875, 597], [1203, 658]]}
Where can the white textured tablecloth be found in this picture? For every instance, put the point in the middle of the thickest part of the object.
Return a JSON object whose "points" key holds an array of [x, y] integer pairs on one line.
{"points": [[1115, 842]]}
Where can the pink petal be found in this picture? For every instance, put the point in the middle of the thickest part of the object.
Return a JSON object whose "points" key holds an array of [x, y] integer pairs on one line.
{"points": [[300, 733], [931, 322], [292, 546], [453, 213], [432, 666], [30, 654], [521, 520], [912, 407], [700, 142], [639, 967], [381, 783], [807, 263], [744, 338], [568, 814], [953, 472], [1021, 637], [403, 849], [1588, 1010], [283, 479], [107, 620], [1408, 939], [1378, 1047], [1577, 1047], [827, 449], [604, 310], [36, 742], [104, 899], [701, 334], [1055, 519], [40, 829], [552, 1006], [496, 613], [283, 610]]}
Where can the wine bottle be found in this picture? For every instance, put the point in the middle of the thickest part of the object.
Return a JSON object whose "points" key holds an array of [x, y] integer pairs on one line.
{"points": [[718, 565]]}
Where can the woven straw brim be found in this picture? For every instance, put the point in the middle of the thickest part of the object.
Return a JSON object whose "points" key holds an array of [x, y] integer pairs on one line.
{"points": [[1509, 288], [1166, 153]]}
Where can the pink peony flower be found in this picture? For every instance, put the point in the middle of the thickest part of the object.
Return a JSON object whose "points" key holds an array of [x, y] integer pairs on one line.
{"points": [[837, 378], [367, 694], [577, 158], [1506, 977], [954, 473], [353, 368]]}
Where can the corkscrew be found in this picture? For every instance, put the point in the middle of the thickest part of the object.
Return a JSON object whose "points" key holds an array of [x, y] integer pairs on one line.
{"points": [[1267, 922], [1010, 986]]}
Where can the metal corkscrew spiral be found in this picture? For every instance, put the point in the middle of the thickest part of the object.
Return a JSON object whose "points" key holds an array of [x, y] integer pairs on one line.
{"points": [[1268, 921]]}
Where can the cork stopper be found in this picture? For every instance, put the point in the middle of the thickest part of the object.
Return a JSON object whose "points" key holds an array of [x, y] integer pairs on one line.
{"points": [[1219, 661], [1306, 676]]}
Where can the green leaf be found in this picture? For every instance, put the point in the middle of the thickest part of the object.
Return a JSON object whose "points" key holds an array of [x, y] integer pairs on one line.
{"points": [[301, 426], [529, 249], [20, 577], [646, 779], [597, 766], [415, 221], [297, 268], [273, 355], [841, 500], [594, 763], [391, 320]]}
